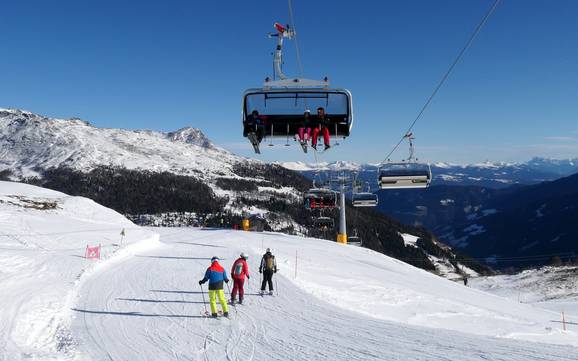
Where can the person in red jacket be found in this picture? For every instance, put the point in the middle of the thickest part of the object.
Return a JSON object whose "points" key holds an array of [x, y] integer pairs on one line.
{"points": [[239, 270]]}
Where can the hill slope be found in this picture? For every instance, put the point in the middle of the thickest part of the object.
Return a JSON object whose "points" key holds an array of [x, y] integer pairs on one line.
{"points": [[142, 300], [43, 236]]}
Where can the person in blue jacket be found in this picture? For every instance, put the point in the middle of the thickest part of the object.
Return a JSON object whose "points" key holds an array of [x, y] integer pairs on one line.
{"points": [[216, 275]]}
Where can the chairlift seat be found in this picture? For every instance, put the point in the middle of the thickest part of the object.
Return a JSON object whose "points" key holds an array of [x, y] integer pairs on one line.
{"points": [[354, 241], [405, 175], [364, 199], [323, 222]]}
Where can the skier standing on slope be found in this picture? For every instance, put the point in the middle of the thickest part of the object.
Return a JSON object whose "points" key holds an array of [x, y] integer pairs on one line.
{"points": [[216, 275], [239, 270], [268, 267]]}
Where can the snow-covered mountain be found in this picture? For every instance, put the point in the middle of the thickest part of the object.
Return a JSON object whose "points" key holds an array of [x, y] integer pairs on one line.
{"points": [[486, 174], [30, 143]]}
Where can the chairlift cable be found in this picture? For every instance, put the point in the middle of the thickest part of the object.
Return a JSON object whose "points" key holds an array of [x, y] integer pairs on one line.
{"points": [[446, 75], [292, 21]]}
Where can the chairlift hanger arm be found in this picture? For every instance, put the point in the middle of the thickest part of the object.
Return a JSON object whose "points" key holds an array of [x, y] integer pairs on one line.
{"points": [[282, 33], [286, 82]]}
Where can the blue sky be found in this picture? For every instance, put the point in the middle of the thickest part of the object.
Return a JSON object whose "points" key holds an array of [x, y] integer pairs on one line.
{"points": [[168, 64]]}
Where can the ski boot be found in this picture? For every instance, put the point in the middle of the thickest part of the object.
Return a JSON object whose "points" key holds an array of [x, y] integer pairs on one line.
{"points": [[226, 314], [271, 293]]}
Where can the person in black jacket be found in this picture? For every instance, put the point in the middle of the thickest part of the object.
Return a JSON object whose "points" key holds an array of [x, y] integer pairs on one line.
{"points": [[257, 125], [322, 127], [268, 267]]}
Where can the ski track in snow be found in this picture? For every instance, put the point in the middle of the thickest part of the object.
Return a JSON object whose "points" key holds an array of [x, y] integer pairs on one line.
{"points": [[149, 306]]}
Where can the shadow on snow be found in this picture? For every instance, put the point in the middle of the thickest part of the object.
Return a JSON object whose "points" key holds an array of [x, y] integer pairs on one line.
{"points": [[138, 314]]}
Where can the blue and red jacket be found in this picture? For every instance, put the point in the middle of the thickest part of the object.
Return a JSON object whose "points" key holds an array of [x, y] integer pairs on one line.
{"points": [[215, 275]]}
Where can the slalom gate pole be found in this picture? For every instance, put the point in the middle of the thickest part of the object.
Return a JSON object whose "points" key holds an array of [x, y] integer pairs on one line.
{"points": [[277, 286], [204, 302], [234, 305]]}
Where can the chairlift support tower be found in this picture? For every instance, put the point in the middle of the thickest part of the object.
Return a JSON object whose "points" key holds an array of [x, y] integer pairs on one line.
{"points": [[342, 235], [343, 182]]}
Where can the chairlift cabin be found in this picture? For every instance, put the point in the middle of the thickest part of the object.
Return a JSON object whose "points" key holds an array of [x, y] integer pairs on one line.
{"points": [[323, 223], [320, 198], [364, 199], [407, 174], [404, 175], [281, 108], [277, 109], [354, 241]]}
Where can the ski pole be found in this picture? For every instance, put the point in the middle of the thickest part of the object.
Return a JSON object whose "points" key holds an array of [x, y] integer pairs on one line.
{"points": [[234, 305], [261, 281], [276, 286], [204, 302]]}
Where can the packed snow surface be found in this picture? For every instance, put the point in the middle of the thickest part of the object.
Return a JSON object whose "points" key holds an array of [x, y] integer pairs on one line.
{"points": [[43, 237], [341, 303], [332, 302], [553, 288]]}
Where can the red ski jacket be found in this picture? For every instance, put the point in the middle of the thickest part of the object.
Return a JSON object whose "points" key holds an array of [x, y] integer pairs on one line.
{"points": [[240, 269]]}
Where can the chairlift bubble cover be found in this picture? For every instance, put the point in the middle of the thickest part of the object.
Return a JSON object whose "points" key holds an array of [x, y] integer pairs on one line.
{"points": [[364, 199], [281, 110], [404, 175]]}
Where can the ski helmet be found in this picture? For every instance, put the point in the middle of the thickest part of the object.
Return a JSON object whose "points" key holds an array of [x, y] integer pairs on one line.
{"points": [[268, 249], [244, 255], [215, 258]]}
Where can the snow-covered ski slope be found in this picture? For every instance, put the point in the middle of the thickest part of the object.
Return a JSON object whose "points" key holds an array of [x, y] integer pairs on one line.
{"points": [[143, 302], [346, 303], [43, 235]]}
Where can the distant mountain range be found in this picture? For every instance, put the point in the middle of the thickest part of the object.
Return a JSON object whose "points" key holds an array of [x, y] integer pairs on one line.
{"points": [[488, 174], [509, 215]]}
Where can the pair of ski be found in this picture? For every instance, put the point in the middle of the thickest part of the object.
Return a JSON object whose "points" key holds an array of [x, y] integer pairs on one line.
{"points": [[255, 143], [303, 145], [262, 294], [207, 314]]}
